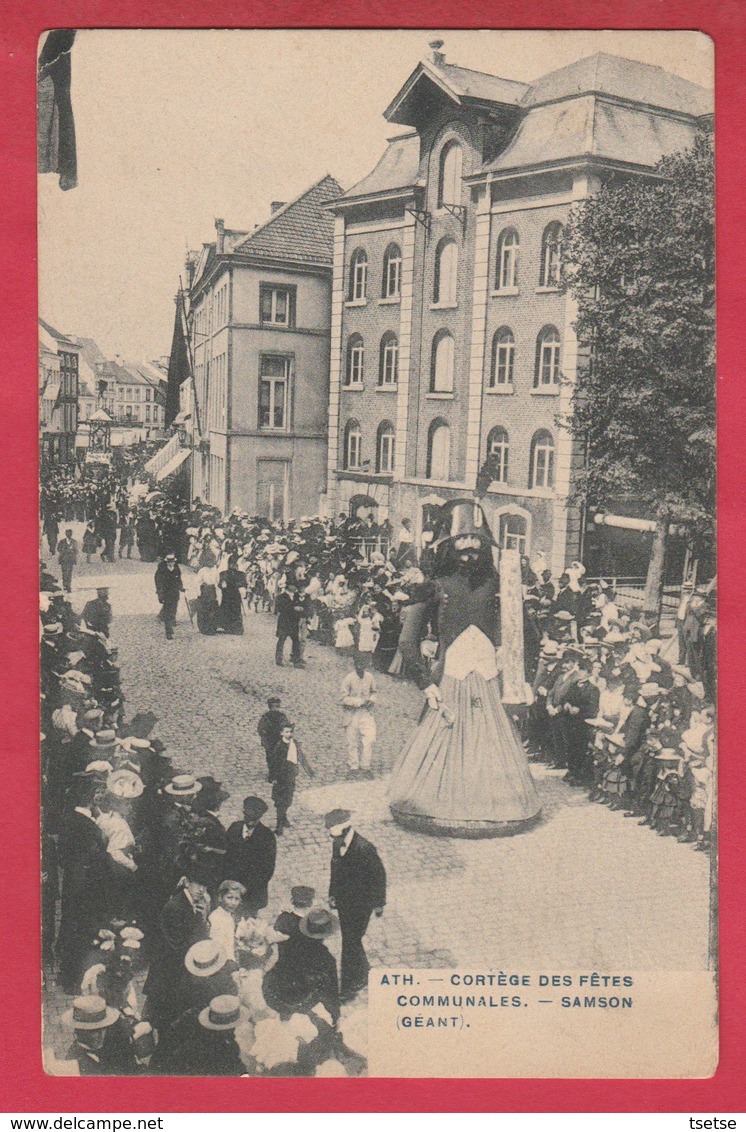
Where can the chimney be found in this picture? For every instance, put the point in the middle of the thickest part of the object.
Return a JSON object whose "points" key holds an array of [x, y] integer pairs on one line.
{"points": [[438, 55], [220, 241], [276, 205]]}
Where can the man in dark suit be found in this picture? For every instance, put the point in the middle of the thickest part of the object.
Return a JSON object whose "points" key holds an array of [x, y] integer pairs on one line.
{"points": [[270, 728], [202, 1043], [566, 600], [357, 889], [67, 553], [251, 852], [183, 922], [108, 525], [85, 865], [168, 586], [581, 704], [97, 612], [634, 729], [290, 607], [91, 1018]]}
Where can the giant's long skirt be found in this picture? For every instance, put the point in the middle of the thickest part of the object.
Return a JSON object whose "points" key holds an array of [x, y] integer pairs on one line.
{"points": [[469, 778]]}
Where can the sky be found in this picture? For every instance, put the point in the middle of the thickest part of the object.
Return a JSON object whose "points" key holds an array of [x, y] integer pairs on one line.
{"points": [[176, 128]]}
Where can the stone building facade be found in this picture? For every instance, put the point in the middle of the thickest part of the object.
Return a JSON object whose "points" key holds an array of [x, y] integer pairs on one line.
{"points": [[259, 308], [451, 339]]}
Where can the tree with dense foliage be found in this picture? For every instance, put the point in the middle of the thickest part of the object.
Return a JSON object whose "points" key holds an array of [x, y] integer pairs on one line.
{"points": [[639, 260]]}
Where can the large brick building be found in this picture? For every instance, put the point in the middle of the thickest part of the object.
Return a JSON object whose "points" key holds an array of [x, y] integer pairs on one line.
{"points": [[451, 340], [260, 315]]}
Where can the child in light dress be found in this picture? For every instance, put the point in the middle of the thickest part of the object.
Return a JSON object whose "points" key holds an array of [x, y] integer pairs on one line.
{"points": [[224, 918], [369, 627]]}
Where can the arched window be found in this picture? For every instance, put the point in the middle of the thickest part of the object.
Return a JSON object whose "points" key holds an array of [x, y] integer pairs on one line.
{"points": [[353, 442], [547, 358], [449, 176], [391, 286], [358, 276], [503, 358], [551, 255], [385, 447], [441, 363], [506, 275], [439, 451], [513, 532], [355, 360], [388, 367], [541, 470], [498, 448], [445, 286]]}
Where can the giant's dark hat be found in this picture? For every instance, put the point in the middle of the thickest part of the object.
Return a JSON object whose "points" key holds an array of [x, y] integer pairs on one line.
{"points": [[462, 517]]}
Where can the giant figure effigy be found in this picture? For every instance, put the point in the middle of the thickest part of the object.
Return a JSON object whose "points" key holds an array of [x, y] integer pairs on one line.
{"points": [[464, 772]]}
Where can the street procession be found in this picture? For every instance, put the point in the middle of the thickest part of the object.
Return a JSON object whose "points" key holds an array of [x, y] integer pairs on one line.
{"points": [[379, 639]]}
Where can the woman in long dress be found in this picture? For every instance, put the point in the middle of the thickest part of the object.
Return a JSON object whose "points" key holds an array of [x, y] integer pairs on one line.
{"points": [[208, 608], [464, 772], [232, 583]]}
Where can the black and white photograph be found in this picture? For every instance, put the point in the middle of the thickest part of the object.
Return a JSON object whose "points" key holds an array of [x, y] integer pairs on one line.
{"points": [[376, 393]]}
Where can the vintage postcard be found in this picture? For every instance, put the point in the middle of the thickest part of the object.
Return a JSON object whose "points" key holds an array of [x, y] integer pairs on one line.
{"points": [[377, 536]]}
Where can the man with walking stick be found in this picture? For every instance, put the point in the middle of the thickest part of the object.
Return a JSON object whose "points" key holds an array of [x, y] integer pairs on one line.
{"points": [[169, 587]]}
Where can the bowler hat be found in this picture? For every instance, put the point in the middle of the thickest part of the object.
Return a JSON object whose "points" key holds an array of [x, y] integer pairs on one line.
{"points": [[302, 895], [213, 793]]}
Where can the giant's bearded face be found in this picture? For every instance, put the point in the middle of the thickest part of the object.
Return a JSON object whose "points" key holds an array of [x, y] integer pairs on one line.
{"points": [[467, 549]]}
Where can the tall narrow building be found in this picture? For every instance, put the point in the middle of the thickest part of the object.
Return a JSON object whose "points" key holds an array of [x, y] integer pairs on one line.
{"points": [[260, 311]]}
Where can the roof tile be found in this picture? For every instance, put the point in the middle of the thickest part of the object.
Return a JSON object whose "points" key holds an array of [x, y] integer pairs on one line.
{"points": [[300, 232]]}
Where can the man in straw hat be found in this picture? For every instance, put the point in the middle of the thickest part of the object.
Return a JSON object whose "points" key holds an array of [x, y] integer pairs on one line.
{"points": [[169, 587], [174, 828], [90, 1019], [357, 889], [208, 973], [207, 1048]]}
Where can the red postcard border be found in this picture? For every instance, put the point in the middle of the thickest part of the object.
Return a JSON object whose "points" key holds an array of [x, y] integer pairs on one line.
{"points": [[25, 1087]]}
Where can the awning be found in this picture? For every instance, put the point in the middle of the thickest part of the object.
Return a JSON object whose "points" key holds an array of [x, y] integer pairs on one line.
{"points": [[159, 459], [173, 464], [626, 522], [51, 391], [182, 417]]}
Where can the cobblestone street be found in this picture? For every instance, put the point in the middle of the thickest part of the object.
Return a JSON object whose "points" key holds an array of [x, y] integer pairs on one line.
{"points": [[585, 889]]}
